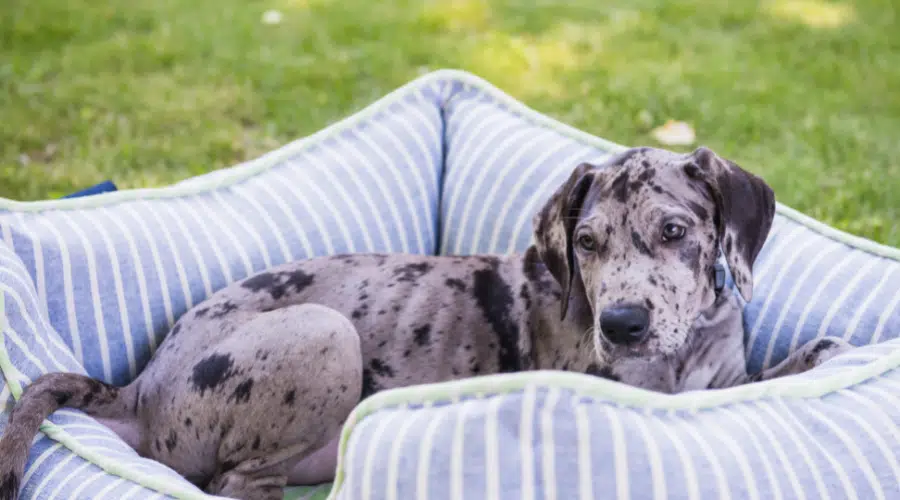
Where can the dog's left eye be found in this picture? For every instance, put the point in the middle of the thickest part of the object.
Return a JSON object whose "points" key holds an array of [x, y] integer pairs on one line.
{"points": [[672, 232], [586, 242]]}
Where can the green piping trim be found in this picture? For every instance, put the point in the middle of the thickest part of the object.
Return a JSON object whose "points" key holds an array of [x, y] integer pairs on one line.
{"points": [[161, 484]]}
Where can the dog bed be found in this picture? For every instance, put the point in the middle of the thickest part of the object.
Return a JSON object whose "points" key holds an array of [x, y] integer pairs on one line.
{"points": [[449, 164]]}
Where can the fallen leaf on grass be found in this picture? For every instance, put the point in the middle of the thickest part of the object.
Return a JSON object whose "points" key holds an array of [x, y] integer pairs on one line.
{"points": [[45, 155], [272, 17], [675, 133]]}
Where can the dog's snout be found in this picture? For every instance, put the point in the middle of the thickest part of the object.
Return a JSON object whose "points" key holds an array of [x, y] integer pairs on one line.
{"points": [[625, 324]]}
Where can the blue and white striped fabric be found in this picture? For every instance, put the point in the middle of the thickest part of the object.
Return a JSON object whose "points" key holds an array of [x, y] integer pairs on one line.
{"points": [[93, 284], [449, 164]]}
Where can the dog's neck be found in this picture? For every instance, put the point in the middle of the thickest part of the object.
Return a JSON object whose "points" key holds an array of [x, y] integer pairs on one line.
{"points": [[551, 343]]}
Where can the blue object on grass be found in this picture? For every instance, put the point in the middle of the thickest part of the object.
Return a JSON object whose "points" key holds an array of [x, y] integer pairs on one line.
{"points": [[103, 187]]}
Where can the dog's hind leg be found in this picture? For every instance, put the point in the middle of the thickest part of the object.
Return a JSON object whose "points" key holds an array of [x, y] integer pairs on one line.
{"points": [[300, 376]]}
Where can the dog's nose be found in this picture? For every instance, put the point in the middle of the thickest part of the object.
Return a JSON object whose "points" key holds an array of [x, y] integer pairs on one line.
{"points": [[624, 324]]}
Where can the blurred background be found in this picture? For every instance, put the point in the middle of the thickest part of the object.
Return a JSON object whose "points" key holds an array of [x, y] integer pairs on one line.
{"points": [[803, 92]]}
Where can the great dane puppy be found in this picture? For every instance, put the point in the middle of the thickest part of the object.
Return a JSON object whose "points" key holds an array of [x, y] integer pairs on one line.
{"points": [[249, 390]]}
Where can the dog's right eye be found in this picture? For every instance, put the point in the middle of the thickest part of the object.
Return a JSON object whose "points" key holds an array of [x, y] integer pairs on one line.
{"points": [[586, 242], [672, 232]]}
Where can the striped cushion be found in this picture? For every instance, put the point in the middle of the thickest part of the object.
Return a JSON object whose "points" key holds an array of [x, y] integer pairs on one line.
{"points": [[831, 434], [446, 164]]}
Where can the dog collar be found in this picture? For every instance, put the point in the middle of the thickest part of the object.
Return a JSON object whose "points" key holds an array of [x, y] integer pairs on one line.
{"points": [[720, 277]]}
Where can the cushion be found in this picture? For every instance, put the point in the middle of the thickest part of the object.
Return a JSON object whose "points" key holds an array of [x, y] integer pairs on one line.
{"points": [[93, 283], [447, 164]]}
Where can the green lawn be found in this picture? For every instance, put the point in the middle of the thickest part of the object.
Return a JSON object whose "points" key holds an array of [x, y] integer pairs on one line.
{"points": [[805, 92]]}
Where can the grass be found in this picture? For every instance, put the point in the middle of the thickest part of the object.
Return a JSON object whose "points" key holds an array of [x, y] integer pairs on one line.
{"points": [[803, 92]]}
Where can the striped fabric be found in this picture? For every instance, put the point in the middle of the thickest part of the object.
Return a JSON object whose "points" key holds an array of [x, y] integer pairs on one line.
{"points": [[564, 436], [449, 164]]}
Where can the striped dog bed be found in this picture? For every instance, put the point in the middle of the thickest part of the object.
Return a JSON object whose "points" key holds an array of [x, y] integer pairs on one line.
{"points": [[449, 164]]}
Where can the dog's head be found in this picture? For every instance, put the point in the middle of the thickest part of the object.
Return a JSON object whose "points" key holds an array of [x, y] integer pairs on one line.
{"points": [[635, 242]]}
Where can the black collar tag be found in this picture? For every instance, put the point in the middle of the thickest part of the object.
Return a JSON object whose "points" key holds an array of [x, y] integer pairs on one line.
{"points": [[720, 277]]}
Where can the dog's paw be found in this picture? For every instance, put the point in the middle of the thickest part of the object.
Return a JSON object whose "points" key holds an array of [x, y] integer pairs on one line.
{"points": [[821, 350]]}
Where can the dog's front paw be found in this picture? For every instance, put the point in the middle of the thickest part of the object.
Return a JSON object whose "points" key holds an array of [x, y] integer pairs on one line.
{"points": [[821, 350]]}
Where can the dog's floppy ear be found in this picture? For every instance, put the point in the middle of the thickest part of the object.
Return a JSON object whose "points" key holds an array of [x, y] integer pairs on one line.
{"points": [[553, 226], [745, 209]]}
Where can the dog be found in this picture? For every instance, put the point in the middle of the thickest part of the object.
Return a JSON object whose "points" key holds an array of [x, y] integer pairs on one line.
{"points": [[249, 390]]}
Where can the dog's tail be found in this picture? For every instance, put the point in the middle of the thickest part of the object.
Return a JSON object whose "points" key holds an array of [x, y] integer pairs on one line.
{"points": [[44, 396]]}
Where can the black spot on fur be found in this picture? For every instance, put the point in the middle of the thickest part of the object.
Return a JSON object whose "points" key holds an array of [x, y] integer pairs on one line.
{"points": [[9, 486], [625, 156], [228, 465], [199, 313], [96, 388], [172, 440], [158, 446], [823, 344], [602, 371], [212, 371], [223, 309], [241, 393], [406, 353], [532, 265], [495, 298], [369, 386], [175, 330], [381, 368], [619, 187], [658, 189], [456, 284], [698, 210], [649, 303], [188, 422], [279, 284], [692, 170], [525, 295], [360, 311], [422, 335], [652, 280], [61, 397], [639, 244], [255, 445], [690, 256], [412, 271]]}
